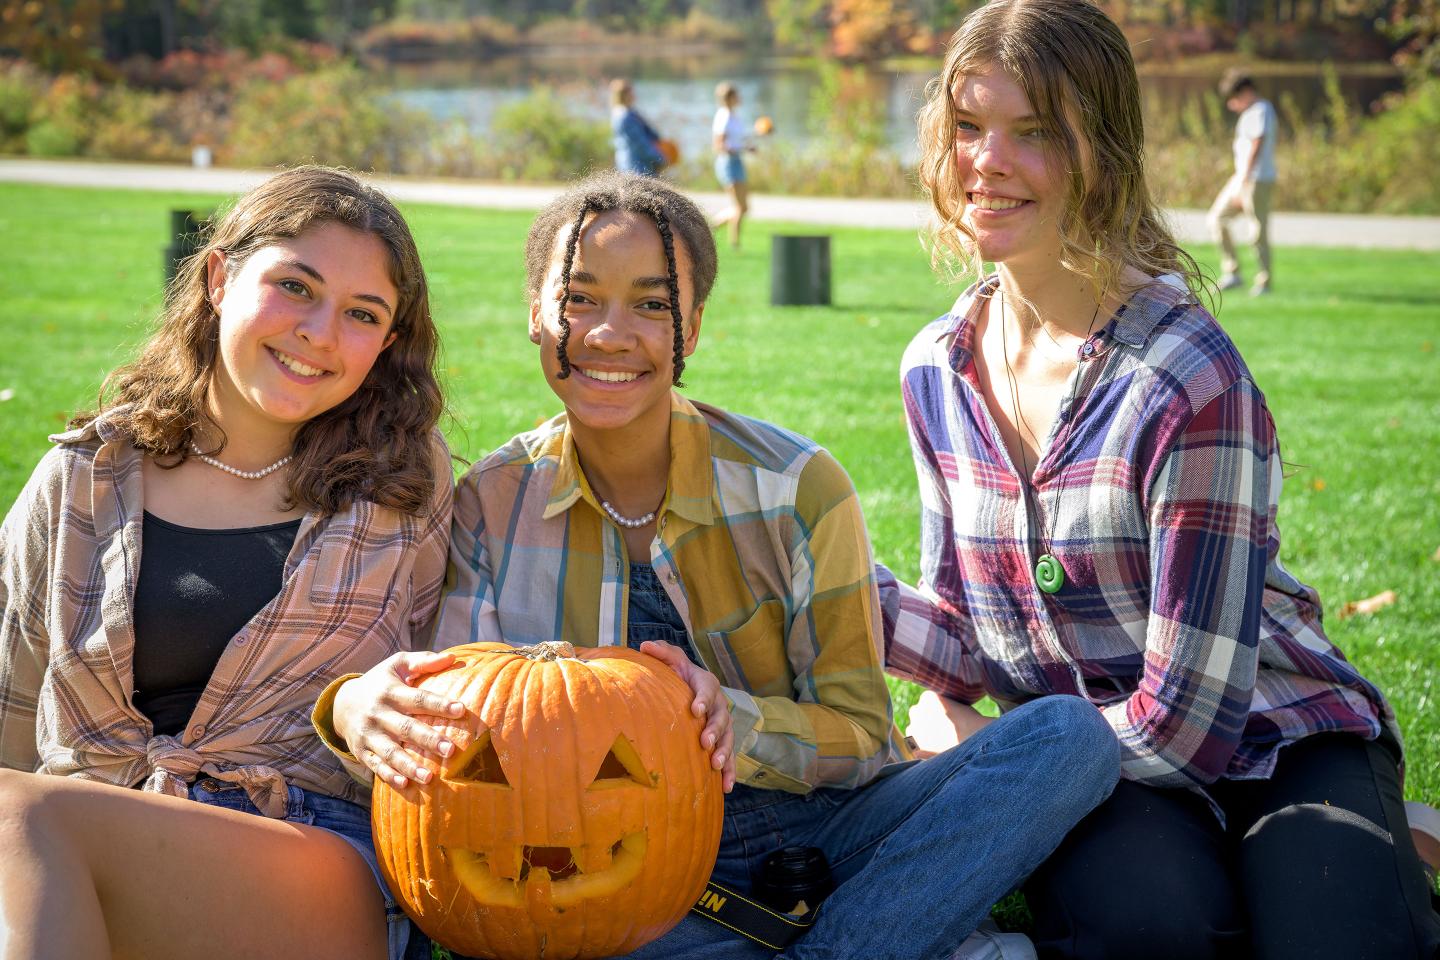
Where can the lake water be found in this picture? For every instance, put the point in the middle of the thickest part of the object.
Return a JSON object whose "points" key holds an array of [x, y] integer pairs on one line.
{"points": [[677, 93]]}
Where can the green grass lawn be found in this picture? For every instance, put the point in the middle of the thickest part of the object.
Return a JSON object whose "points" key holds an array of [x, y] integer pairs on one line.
{"points": [[1344, 350]]}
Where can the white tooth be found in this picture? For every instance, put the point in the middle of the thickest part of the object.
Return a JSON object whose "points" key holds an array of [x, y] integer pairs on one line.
{"points": [[996, 203], [305, 370], [609, 376]]}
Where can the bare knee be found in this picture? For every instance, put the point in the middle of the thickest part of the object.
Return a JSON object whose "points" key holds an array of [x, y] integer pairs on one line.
{"points": [[24, 817]]}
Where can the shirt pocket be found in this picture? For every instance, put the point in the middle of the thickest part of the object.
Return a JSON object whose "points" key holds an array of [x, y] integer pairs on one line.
{"points": [[753, 656]]}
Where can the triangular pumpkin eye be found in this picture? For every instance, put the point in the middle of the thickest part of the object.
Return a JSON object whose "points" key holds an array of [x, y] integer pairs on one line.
{"points": [[480, 763], [622, 766]]}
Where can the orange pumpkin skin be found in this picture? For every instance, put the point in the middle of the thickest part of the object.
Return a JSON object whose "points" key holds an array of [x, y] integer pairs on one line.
{"points": [[583, 821]]}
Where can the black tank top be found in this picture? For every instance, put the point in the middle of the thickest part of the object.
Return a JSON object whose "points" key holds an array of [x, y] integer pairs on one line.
{"points": [[196, 589]]}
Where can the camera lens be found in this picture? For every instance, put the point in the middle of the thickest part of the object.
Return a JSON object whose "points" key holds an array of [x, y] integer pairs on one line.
{"points": [[791, 876]]}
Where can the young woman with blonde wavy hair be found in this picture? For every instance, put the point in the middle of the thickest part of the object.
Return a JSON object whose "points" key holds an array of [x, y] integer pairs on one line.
{"points": [[1099, 478], [260, 505]]}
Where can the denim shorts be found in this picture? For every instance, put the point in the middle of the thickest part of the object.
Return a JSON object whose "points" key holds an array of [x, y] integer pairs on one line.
{"points": [[729, 168], [348, 821]]}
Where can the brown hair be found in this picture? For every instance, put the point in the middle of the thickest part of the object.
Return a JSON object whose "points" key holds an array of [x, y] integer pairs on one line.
{"points": [[620, 91], [376, 444], [1072, 61], [1233, 82], [673, 214], [724, 91]]}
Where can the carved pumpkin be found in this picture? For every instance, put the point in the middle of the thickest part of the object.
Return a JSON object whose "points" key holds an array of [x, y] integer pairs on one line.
{"points": [[583, 819]]}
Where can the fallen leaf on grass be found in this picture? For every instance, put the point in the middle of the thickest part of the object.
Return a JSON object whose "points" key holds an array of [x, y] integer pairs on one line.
{"points": [[1317, 484], [1368, 605]]}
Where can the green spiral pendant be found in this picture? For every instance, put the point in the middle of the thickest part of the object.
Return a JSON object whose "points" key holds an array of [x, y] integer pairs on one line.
{"points": [[1049, 575]]}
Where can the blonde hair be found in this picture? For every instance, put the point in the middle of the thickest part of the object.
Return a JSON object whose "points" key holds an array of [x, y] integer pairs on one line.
{"points": [[375, 445], [725, 92], [620, 91], [1072, 61]]}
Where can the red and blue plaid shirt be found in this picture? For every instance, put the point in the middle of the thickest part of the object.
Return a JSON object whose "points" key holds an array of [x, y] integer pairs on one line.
{"points": [[1157, 490]]}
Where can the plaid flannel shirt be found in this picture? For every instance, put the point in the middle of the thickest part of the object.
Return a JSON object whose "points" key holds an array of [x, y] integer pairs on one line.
{"points": [[358, 586], [760, 545], [1157, 489]]}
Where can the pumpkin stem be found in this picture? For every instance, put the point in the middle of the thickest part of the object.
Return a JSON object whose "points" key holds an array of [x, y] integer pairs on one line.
{"points": [[548, 651]]}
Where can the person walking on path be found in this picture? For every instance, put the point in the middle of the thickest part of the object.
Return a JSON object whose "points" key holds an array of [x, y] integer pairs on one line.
{"points": [[637, 145], [1099, 477], [729, 132], [1250, 189]]}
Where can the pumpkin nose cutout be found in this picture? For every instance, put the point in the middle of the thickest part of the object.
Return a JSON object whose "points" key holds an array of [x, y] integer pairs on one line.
{"points": [[622, 767]]}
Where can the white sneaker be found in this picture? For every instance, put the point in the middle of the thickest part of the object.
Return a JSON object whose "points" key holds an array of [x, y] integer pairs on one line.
{"points": [[1425, 831], [1230, 281]]}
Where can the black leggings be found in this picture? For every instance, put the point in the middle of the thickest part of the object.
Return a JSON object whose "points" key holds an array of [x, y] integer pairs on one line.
{"points": [[1315, 862]]}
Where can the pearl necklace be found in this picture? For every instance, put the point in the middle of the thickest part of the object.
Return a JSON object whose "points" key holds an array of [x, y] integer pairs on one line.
{"points": [[235, 471], [625, 521]]}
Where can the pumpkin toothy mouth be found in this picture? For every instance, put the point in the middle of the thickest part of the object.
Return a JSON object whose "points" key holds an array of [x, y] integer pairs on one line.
{"points": [[569, 874]]}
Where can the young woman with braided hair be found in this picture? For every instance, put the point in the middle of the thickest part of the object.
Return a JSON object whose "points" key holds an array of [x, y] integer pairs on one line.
{"points": [[735, 552]]}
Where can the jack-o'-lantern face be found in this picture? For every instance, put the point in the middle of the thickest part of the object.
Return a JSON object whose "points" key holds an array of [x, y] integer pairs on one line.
{"points": [[582, 821]]}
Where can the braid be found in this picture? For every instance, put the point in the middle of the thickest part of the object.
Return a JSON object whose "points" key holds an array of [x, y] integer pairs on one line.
{"points": [[570, 246], [662, 222]]}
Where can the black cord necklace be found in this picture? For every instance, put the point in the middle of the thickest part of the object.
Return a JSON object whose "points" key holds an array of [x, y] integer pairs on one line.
{"points": [[1049, 573]]}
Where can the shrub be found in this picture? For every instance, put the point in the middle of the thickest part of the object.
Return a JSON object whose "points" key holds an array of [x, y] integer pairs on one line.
{"points": [[21, 88], [334, 116], [538, 138]]}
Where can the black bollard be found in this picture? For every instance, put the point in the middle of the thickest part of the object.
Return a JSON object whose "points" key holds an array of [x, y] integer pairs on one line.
{"points": [[185, 241], [799, 270]]}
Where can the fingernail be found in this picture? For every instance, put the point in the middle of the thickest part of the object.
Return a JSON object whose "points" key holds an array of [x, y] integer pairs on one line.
{"points": [[422, 775], [456, 709], [719, 760], [399, 782], [446, 748]]}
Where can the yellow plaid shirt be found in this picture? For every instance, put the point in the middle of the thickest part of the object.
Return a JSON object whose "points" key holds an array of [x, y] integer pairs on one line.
{"points": [[762, 548]]}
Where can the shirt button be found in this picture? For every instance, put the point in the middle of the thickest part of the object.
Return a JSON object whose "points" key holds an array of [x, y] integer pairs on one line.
{"points": [[198, 730], [240, 640], [673, 577], [1089, 349]]}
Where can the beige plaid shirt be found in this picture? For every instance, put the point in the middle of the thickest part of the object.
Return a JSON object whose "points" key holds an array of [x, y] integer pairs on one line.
{"points": [[358, 586]]}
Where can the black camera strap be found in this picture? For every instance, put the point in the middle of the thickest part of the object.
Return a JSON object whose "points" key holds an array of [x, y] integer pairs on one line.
{"points": [[739, 913]]}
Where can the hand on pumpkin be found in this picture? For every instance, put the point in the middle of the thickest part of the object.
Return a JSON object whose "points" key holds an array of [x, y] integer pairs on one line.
{"points": [[938, 723], [395, 729], [710, 704]]}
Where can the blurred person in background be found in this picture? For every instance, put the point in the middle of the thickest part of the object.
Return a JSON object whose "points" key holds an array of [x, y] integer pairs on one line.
{"points": [[1251, 188]]}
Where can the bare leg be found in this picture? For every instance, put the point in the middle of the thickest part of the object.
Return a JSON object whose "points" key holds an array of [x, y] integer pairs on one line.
{"points": [[95, 871], [1225, 208], [739, 195]]}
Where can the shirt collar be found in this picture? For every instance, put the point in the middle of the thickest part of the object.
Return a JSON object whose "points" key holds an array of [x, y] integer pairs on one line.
{"points": [[690, 485], [1133, 324]]}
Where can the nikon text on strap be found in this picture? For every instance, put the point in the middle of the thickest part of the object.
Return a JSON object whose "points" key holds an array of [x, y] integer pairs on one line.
{"points": [[739, 913]]}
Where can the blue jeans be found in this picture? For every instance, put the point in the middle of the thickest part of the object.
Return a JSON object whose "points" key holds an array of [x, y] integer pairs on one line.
{"points": [[729, 169], [348, 821], [921, 853]]}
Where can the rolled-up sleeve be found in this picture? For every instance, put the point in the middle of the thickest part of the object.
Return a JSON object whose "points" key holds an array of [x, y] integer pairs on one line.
{"points": [[24, 644]]}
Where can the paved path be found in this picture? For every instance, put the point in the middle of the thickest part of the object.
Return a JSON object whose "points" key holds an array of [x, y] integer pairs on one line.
{"points": [[1286, 229]]}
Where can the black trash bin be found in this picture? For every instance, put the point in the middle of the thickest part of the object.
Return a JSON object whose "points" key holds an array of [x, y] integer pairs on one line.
{"points": [[799, 270], [184, 240]]}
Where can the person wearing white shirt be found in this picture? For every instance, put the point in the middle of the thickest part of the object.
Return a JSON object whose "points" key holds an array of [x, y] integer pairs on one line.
{"points": [[1249, 190], [728, 131]]}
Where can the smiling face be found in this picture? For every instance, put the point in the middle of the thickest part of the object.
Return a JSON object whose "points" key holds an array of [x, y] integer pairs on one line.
{"points": [[1015, 189], [301, 323], [622, 338]]}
